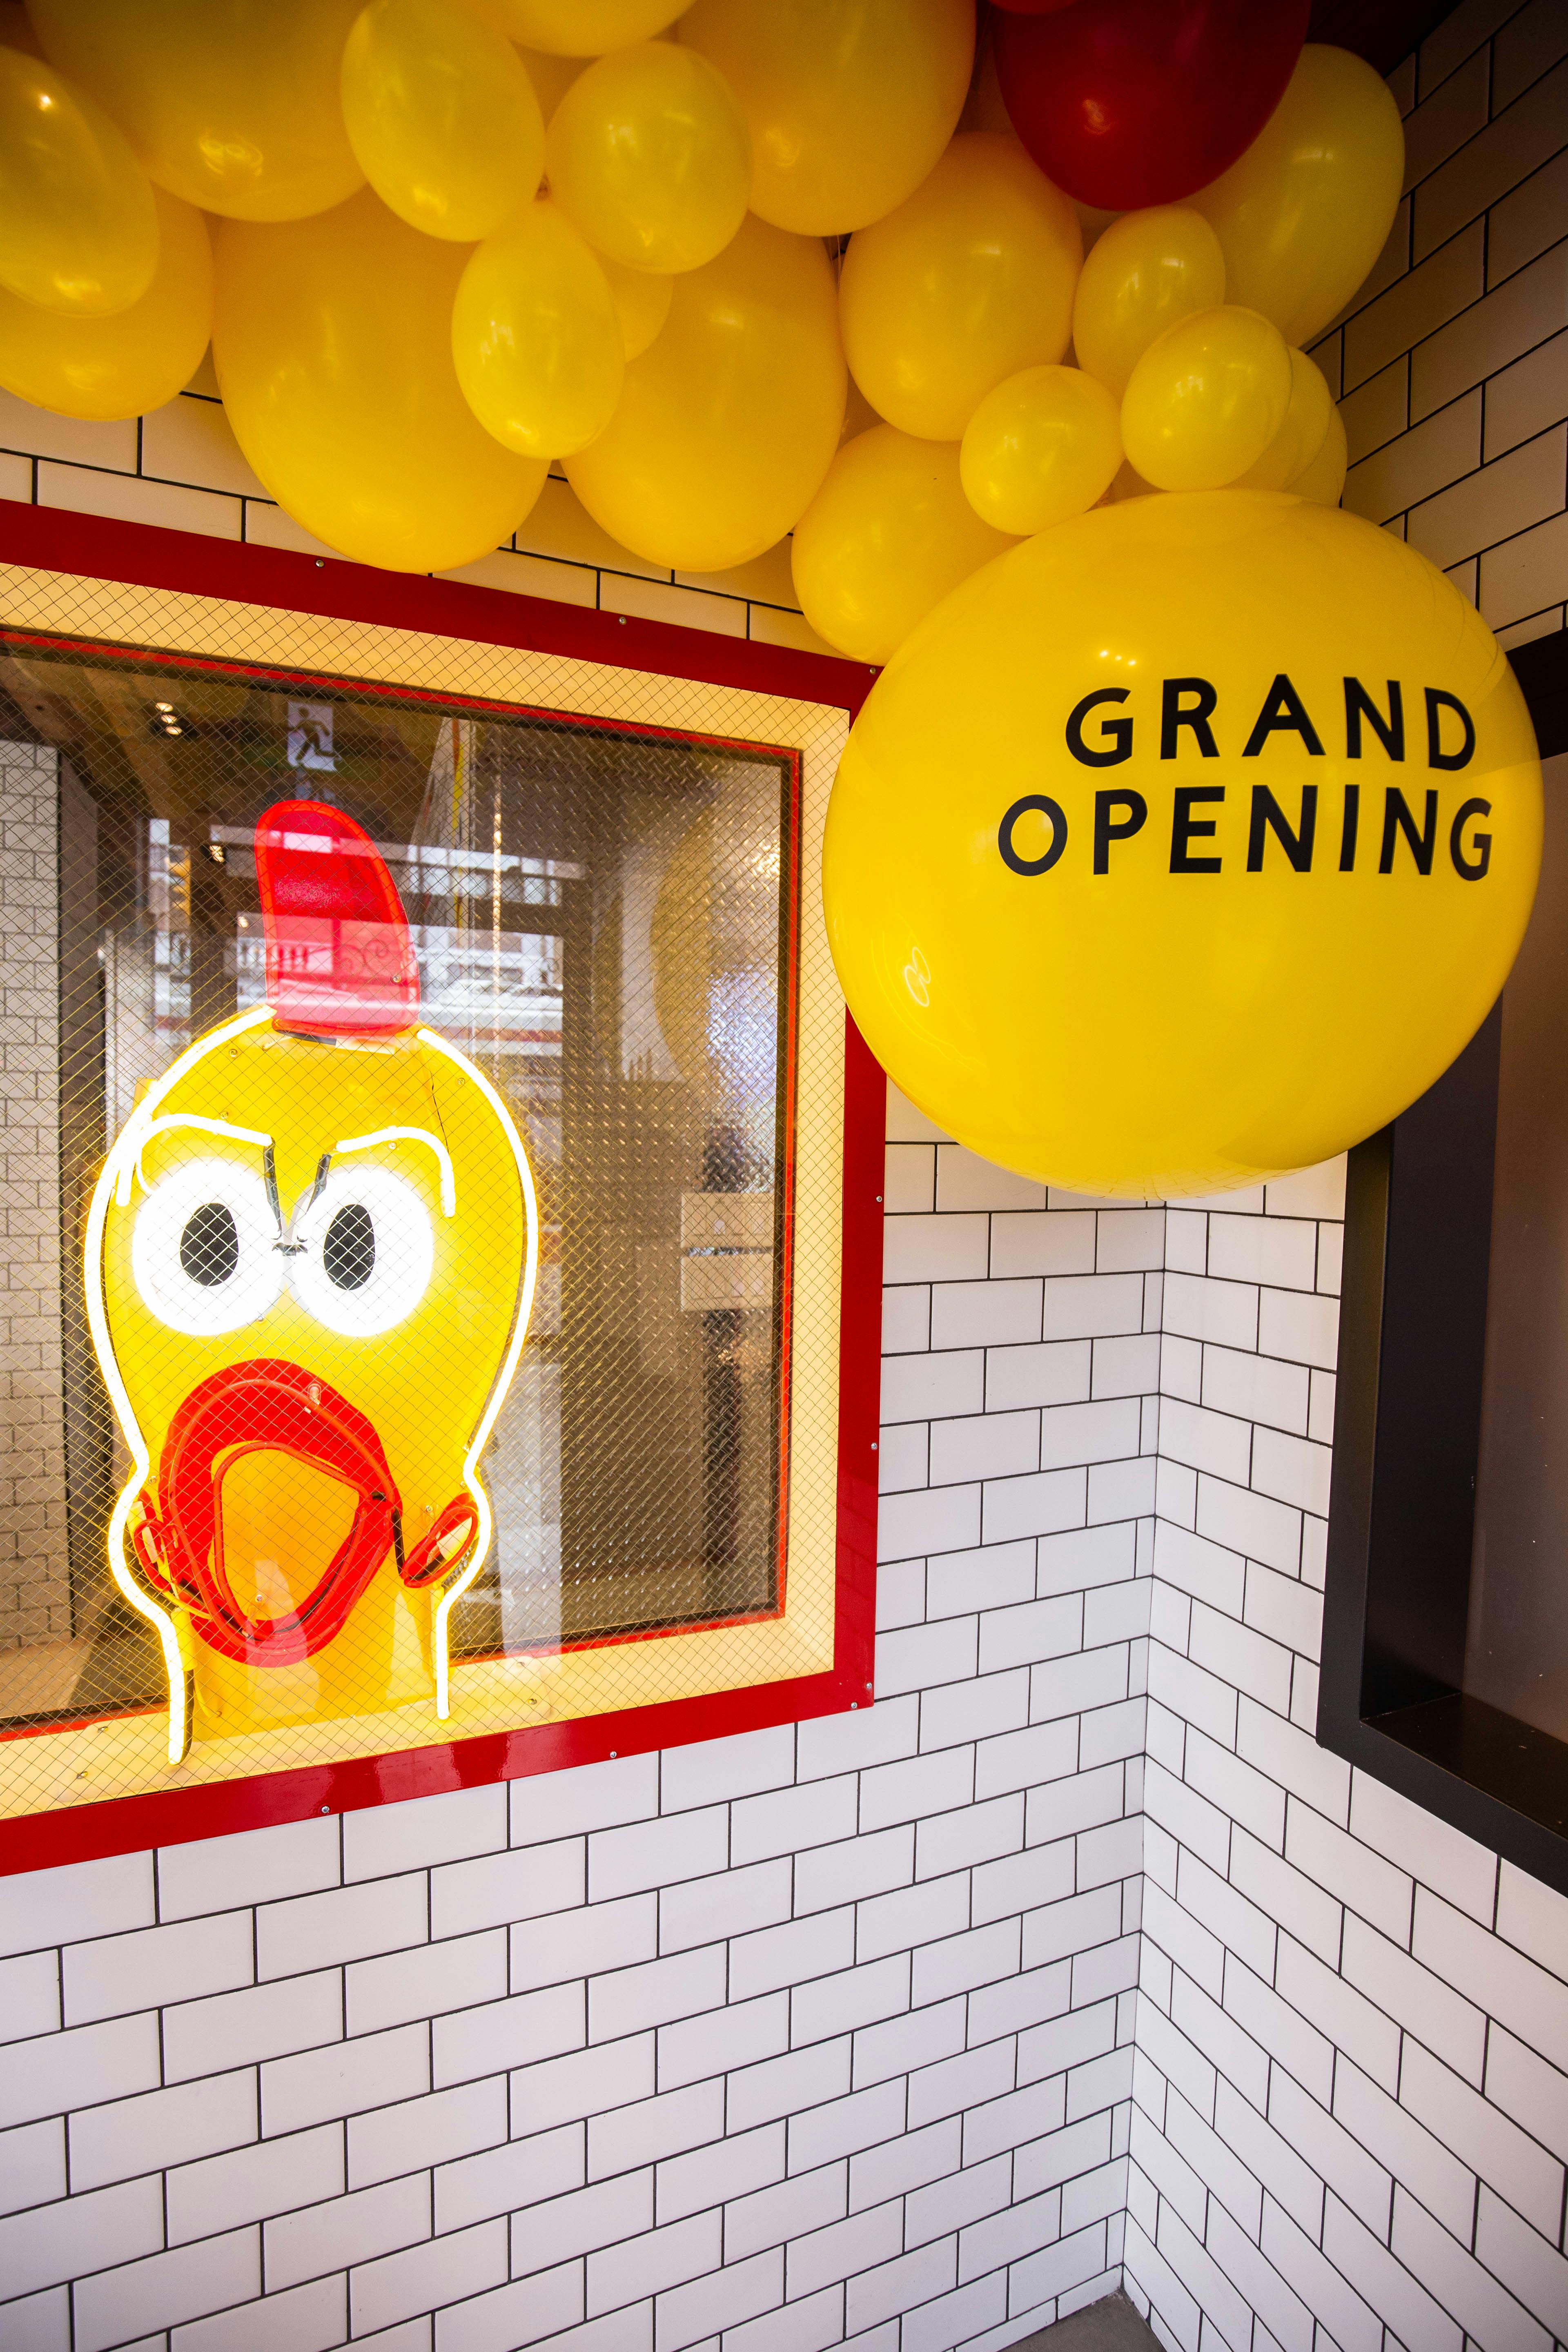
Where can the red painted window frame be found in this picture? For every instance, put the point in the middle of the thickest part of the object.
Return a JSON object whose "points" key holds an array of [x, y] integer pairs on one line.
{"points": [[50, 539]]}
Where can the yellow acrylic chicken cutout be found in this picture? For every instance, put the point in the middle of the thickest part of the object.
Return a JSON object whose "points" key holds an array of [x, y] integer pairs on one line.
{"points": [[310, 1262]]}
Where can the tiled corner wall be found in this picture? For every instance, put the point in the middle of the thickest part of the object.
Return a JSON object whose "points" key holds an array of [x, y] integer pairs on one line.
{"points": [[829, 2035], [1351, 2087], [1351, 2080], [1452, 365]]}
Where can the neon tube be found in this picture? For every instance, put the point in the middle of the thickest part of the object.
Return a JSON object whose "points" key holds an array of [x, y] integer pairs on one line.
{"points": [[481, 1437], [124, 1153], [411, 1135]]}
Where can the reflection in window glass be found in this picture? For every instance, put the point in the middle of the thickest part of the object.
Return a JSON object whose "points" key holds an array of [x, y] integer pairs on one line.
{"points": [[1517, 1656], [602, 920]]}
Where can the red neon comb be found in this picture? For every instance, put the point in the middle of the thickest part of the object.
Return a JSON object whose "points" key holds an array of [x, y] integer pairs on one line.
{"points": [[340, 961]]}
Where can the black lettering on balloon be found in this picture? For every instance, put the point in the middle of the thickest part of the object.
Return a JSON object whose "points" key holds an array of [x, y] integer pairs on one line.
{"points": [[1352, 824], [1174, 713], [1268, 815], [1436, 703], [1118, 731], [1056, 816], [1283, 713], [1397, 819], [1186, 827], [1471, 868], [1105, 831], [1390, 731]]}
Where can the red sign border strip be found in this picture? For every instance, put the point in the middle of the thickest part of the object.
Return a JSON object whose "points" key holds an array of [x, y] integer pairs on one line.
{"points": [[55, 539]]}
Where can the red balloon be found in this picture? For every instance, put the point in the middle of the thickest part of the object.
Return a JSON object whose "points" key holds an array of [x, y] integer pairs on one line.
{"points": [[1035, 8], [1131, 102]]}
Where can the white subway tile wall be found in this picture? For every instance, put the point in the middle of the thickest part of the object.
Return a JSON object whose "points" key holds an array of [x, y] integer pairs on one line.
{"points": [[1073, 1960], [1452, 362]]}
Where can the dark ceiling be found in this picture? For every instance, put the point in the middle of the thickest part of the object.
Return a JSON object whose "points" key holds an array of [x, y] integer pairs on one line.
{"points": [[1383, 32]]}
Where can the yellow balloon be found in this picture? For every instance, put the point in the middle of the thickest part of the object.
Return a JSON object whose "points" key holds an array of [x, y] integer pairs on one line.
{"points": [[1323, 479], [1146, 271], [1206, 399], [1306, 211], [850, 101], [1045, 445], [1141, 879], [536, 338], [233, 105], [729, 422], [1301, 437], [967, 282], [583, 28], [886, 537], [649, 155], [333, 343], [80, 234], [642, 300], [442, 119], [126, 364]]}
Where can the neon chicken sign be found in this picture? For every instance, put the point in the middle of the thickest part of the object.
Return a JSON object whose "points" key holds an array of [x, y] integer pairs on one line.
{"points": [[310, 1264]]}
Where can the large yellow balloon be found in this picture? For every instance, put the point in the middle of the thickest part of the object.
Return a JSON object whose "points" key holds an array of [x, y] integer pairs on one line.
{"points": [[346, 401], [1206, 399], [887, 536], [1143, 272], [1306, 211], [80, 233], [649, 155], [441, 116], [967, 282], [126, 364], [536, 337], [231, 104], [581, 28], [729, 422], [1301, 435], [1045, 445], [1139, 876], [850, 101]]}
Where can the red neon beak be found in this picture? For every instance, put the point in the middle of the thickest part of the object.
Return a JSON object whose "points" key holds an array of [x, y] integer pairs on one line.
{"points": [[269, 1406], [273, 1406]]}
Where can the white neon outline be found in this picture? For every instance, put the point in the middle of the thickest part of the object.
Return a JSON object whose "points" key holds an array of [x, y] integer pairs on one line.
{"points": [[410, 1135], [123, 1155], [179, 1118], [480, 1438]]}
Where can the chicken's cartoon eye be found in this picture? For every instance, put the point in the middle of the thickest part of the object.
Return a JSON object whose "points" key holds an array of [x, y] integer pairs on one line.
{"points": [[348, 1247], [202, 1249], [363, 1252]]}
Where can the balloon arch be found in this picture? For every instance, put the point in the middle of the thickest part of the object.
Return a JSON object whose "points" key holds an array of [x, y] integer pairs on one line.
{"points": [[1002, 319], [1070, 255]]}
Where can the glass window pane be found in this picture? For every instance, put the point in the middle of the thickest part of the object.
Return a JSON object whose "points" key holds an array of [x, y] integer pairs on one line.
{"points": [[603, 922], [1517, 1654]]}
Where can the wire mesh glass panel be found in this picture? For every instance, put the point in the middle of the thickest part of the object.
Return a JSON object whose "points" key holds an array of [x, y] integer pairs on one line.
{"points": [[320, 1225]]}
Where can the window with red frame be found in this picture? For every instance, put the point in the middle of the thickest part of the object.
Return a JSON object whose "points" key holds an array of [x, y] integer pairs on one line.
{"points": [[604, 918]]}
